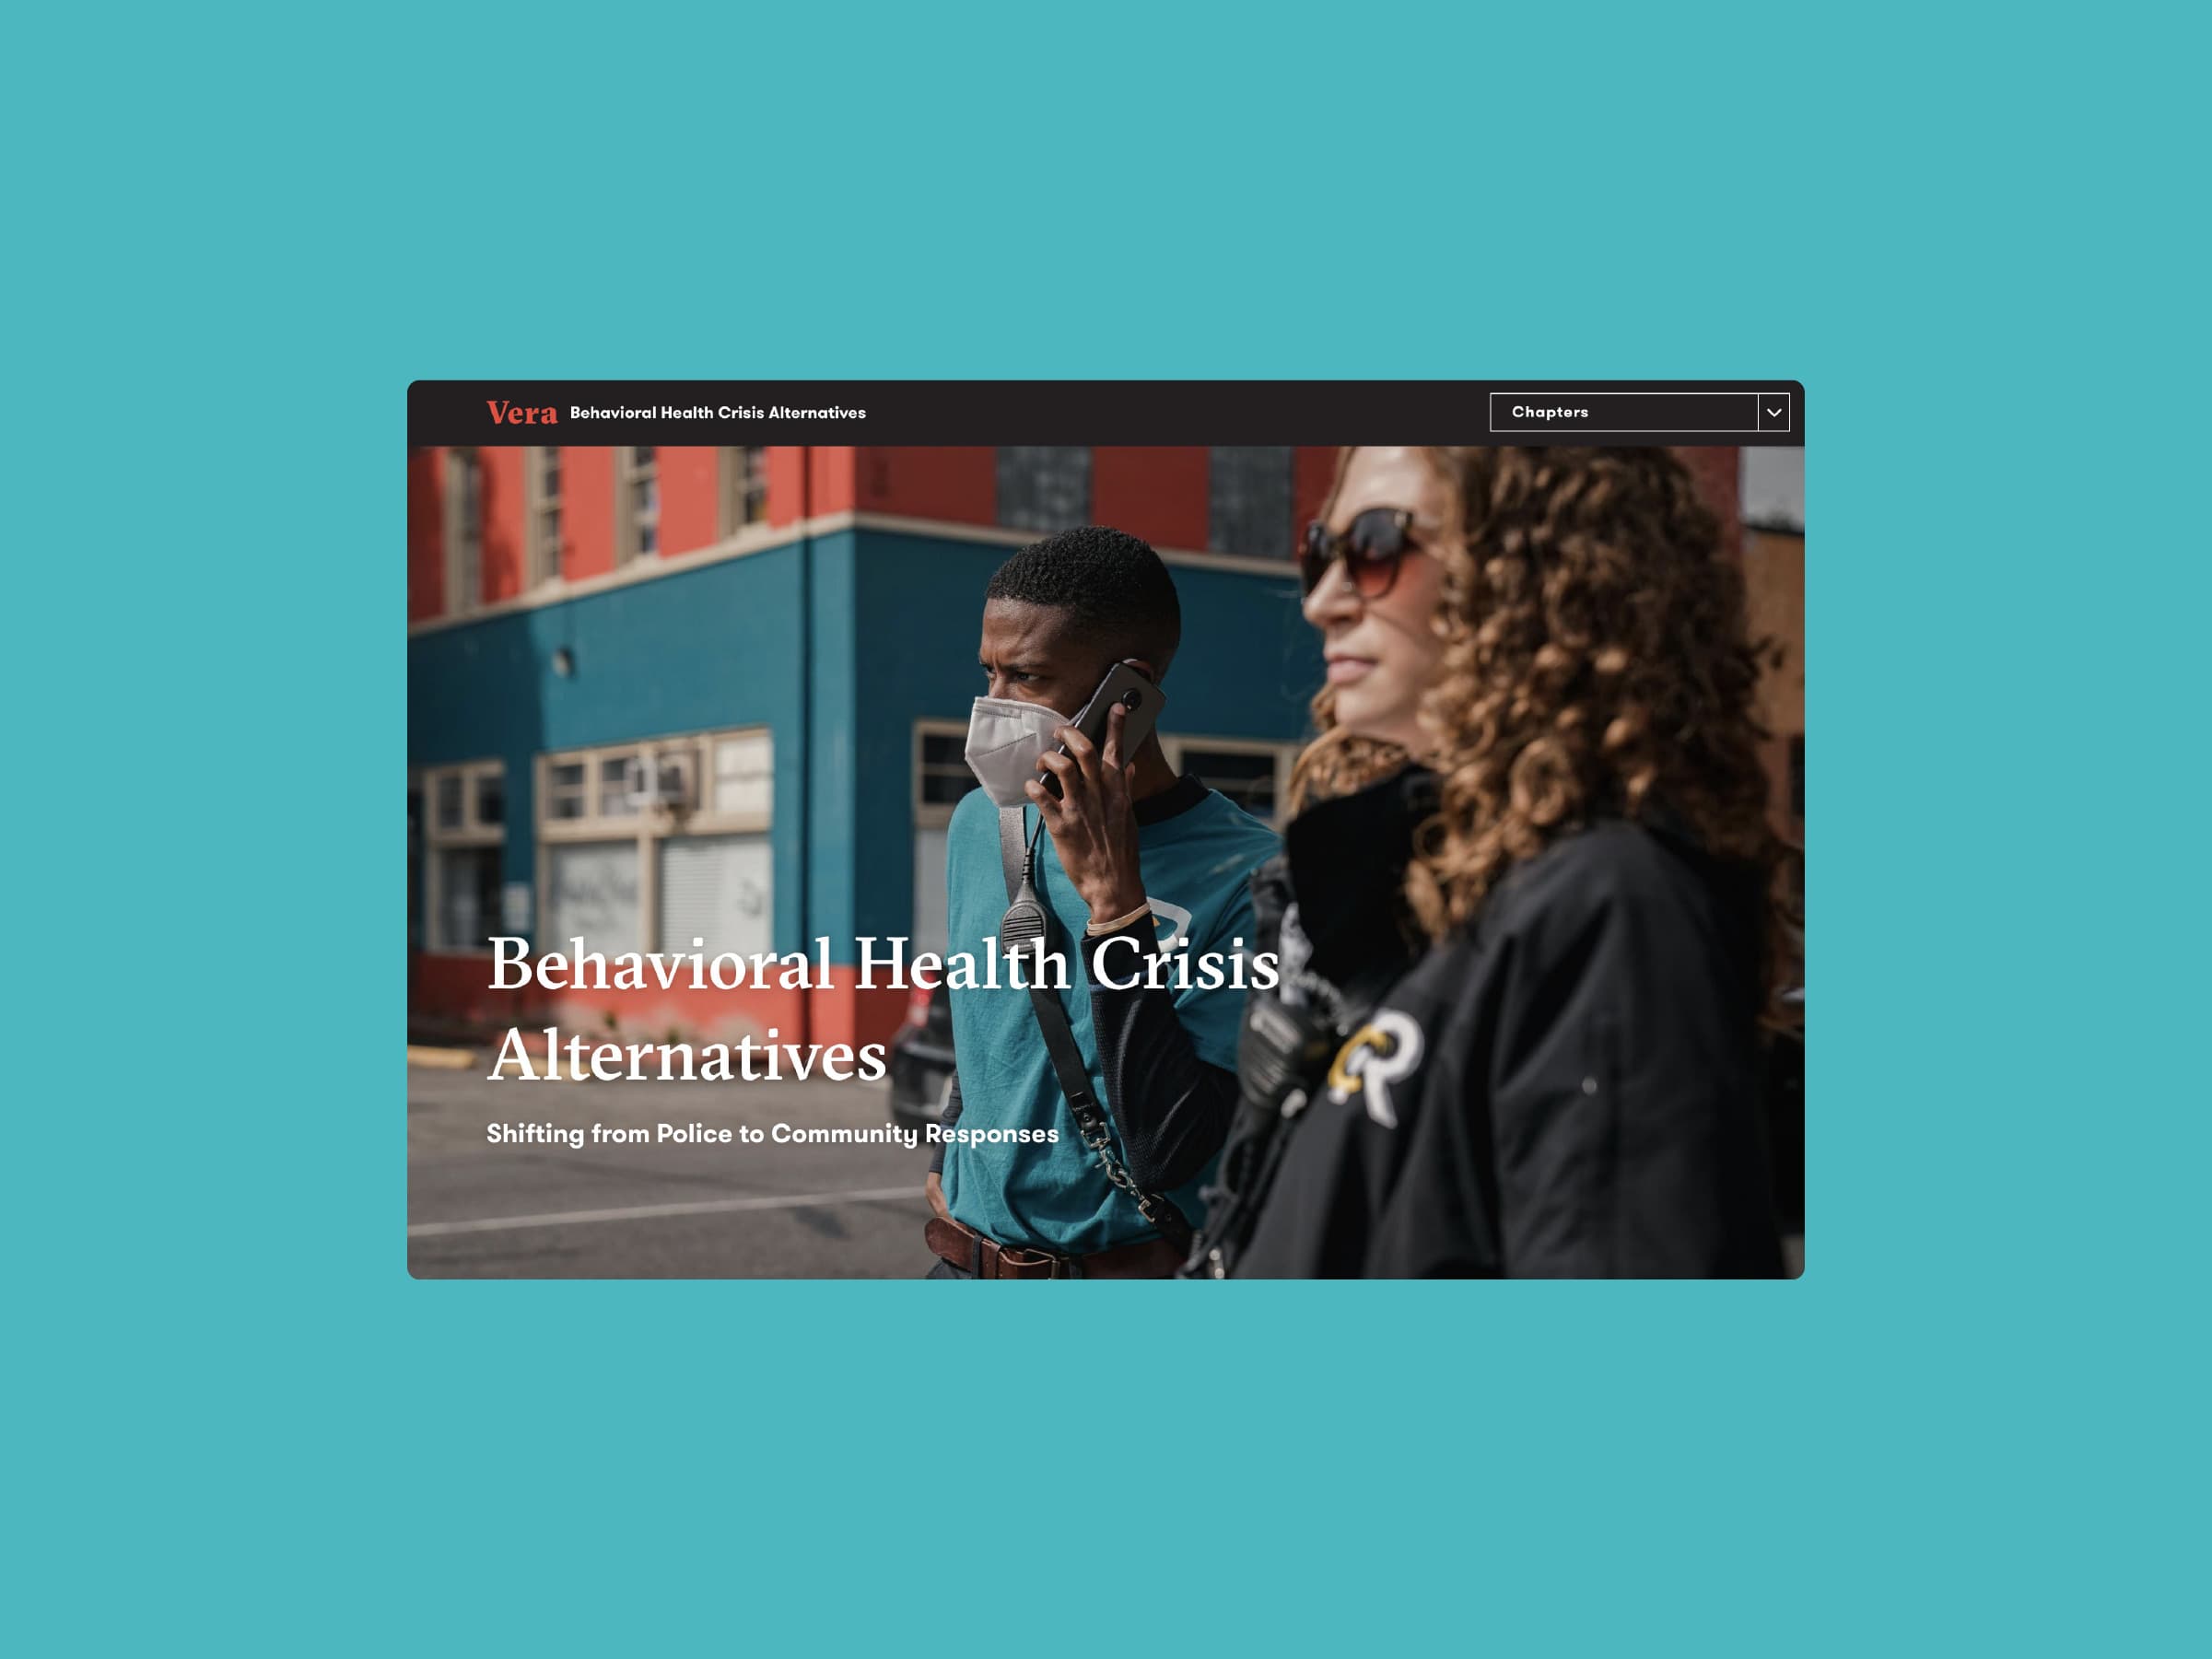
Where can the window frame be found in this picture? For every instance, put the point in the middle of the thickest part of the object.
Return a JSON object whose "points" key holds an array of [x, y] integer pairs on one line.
{"points": [[1178, 746], [470, 834], [1004, 458], [464, 575], [648, 829], [932, 814], [545, 560], [742, 473], [628, 472], [1283, 547]]}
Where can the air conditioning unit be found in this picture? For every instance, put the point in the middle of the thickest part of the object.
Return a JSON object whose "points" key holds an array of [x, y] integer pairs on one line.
{"points": [[657, 783]]}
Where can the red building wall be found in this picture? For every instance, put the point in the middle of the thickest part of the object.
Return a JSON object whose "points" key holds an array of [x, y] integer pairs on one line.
{"points": [[832, 484], [787, 484], [501, 498], [1156, 494], [1719, 485], [505, 531], [690, 498], [587, 511], [426, 534], [1313, 470], [955, 484]]}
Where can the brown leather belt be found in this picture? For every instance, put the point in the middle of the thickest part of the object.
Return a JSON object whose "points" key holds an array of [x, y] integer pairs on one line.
{"points": [[986, 1259]]}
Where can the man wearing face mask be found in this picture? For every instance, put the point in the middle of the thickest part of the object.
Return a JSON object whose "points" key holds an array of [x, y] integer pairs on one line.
{"points": [[1133, 861]]}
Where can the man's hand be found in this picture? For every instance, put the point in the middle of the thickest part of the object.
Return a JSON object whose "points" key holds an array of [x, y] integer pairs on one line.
{"points": [[1093, 824], [933, 1190]]}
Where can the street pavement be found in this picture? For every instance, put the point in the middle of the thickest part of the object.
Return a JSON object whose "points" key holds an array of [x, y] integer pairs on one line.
{"points": [[658, 1210]]}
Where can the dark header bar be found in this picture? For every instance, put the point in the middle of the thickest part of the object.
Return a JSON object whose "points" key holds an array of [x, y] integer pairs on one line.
{"points": [[1641, 414], [1103, 412]]}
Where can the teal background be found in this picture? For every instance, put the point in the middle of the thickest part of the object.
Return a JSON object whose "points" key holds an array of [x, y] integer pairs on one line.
{"points": [[1974, 1426]]}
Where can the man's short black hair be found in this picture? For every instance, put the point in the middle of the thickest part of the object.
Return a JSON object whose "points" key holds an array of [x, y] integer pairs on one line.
{"points": [[1114, 586]]}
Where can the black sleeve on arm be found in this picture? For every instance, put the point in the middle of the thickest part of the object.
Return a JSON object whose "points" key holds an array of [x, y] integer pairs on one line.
{"points": [[1625, 1093], [952, 1116], [1171, 1107]]}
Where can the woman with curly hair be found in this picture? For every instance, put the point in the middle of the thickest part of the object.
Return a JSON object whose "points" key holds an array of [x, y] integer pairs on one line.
{"points": [[1523, 912]]}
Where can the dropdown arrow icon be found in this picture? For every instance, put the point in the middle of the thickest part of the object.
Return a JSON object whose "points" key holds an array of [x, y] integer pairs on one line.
{"points": [[1775, 412]]}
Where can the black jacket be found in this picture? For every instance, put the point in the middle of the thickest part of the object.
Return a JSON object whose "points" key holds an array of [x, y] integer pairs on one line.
{"points": [[1571, 1086]]}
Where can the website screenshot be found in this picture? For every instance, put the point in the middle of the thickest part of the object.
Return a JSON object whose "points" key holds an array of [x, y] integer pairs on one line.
{"points": [[1105, 829]]}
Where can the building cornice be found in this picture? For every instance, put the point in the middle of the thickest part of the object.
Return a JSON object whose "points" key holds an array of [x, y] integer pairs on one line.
{"points": [[757, 539]]}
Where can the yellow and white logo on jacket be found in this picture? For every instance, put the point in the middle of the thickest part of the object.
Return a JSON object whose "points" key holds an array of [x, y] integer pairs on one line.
{"points": [[1380, 1053]]}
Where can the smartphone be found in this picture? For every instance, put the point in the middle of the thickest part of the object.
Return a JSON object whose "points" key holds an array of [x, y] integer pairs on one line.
{"points": [[1123, 686]]}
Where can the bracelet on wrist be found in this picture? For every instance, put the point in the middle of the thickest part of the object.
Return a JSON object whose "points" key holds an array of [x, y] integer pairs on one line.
{"points": [[1097, 927]]}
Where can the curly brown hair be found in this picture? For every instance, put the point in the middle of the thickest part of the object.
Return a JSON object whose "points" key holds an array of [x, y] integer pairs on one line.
{"points": [[1596, 663]]}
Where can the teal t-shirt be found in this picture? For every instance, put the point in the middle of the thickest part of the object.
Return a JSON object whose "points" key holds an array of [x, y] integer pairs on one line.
{"points": [[1054, 1196]]}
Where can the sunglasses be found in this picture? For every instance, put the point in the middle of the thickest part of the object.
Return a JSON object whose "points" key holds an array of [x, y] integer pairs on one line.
{"points": [[1372, 548]]}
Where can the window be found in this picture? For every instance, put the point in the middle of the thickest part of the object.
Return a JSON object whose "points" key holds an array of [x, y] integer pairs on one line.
{"points": [[468, 897], [462, 868], [671, 774], [465, 532], [1247, 779], [544, 470], [1044, 488], [1257, 777], [744, 488], [564, 792], [1771, 489], [617, 789], [648, 845], [715, 888], [1249, 502], [638, 500], [744, 775], [941, 769], [591, 894]]}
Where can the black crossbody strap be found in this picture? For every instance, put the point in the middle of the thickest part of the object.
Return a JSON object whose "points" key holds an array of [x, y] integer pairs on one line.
{"points": [[1067, 1058]]}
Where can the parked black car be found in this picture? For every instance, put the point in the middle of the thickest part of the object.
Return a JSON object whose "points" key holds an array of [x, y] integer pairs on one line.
{"points": [[921, 1059]]}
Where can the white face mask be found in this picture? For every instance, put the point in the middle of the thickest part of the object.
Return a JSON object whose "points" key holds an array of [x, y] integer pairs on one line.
{"points": [[1004, 738]]}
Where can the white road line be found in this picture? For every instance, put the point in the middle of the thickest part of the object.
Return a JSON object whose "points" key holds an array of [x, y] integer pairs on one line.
{"points": [[640, 1212]]}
